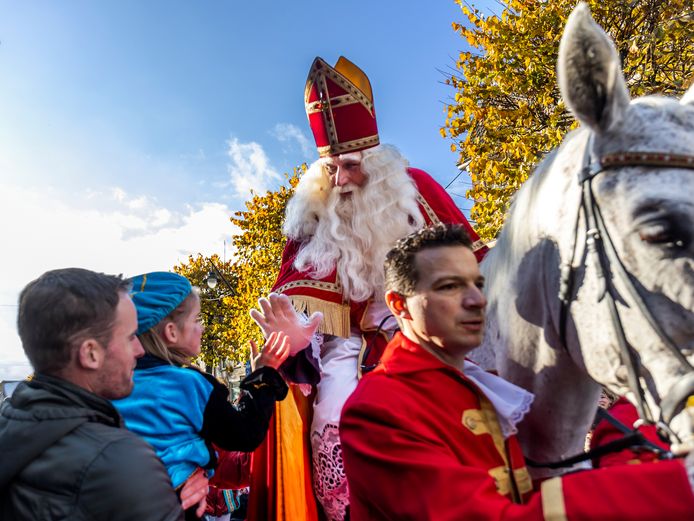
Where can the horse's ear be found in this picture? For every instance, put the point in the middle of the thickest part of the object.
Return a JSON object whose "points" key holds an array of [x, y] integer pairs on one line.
{"points": [[590, 73], [688, 98]]}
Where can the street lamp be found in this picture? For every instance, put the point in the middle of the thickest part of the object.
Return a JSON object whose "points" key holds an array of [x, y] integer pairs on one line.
{"points": [[211, 280], [214, 276]]}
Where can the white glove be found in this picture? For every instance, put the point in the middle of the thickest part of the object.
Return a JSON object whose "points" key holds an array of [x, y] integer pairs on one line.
{"points": [[278, 314]]}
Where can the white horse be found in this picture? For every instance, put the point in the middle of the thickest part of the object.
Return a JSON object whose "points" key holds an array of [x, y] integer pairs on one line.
{"points": [[645, 196]]}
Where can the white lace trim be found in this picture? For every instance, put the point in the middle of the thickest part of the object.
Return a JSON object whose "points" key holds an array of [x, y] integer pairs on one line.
{"points": [[316, 346], [329, 480], [511, 402]]}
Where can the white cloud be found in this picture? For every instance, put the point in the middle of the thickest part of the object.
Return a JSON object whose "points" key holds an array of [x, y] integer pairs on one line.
{"points": [[109, 231], [286, 133], [250, 168]]}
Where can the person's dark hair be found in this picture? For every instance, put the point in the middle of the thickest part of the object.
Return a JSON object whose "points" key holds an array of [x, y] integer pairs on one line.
{"points": [[400, 268], [62, 308]]}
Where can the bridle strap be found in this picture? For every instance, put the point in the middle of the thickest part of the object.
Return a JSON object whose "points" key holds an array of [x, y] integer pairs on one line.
{"points": [[632, 439], [596, 248], [599, 245], [658, 159]]}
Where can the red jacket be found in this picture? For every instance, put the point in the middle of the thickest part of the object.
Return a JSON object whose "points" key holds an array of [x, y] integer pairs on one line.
{"points": [[420, 441]]}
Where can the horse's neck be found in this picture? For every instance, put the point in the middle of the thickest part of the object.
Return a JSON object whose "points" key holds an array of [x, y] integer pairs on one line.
{"points": [[524, 314], [565, 398]]}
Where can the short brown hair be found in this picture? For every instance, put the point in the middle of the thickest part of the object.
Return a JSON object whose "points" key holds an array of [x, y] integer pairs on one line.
{"points": [[62, 308], [400, 268]]}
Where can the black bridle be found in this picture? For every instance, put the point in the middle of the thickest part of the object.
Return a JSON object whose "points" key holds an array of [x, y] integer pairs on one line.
{"points": [[608, 265]]}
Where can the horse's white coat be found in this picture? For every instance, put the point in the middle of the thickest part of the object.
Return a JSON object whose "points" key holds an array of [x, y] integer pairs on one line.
{"points": [[522, 270]]}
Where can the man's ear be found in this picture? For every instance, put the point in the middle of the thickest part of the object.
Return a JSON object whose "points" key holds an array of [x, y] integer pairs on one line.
{"points": [[169, 333], [397, 304], [90, 354]]}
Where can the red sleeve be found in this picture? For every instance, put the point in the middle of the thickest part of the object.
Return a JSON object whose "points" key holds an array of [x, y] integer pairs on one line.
{"points": [[233, 469], [400, 471]]}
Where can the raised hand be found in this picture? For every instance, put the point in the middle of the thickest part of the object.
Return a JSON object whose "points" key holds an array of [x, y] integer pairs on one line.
{"points": [[277, 314], [275, 352]]}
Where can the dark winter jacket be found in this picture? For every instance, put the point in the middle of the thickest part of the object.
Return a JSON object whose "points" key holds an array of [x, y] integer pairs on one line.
{"points": [[64, 454]]}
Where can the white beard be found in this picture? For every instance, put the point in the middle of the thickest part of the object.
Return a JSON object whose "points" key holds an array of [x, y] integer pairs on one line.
{"points": [[353, 232]]}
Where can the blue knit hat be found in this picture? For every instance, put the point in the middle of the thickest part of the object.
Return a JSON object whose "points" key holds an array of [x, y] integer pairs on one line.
{"points": [[156, 295]]}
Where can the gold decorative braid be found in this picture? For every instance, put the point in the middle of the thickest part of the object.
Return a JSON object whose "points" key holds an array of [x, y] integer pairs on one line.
{"points": [[430, 213], [335, 316], [348, 146], [326, 70], [327, 114], [553, 507], [477, 245], [485, 421], [333, 287], [523, 480], [320, 105]]}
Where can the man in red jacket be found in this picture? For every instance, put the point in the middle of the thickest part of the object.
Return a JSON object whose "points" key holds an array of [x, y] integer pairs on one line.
{"points": [[347, 211], [429, 435]]}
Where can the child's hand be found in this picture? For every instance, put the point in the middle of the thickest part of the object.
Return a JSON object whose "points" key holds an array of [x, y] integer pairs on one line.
{"points": [[274, 353]]}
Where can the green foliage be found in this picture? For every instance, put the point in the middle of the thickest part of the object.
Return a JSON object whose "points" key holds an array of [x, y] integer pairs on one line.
{"points": [[507, 113], [257, 256], [218, 342], [258, 253]]}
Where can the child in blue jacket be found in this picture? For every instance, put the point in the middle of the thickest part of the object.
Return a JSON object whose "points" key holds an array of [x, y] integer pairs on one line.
{"points": [[179, 409]]}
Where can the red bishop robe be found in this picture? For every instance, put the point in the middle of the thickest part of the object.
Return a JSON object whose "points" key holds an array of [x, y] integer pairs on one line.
{"points": [[420, 441], [281, 486]]}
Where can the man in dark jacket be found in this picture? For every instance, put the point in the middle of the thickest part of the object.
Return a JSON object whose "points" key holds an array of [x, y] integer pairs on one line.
{"points": [[64, 451]]}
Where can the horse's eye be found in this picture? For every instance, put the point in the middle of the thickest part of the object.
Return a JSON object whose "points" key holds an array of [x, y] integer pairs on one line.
{"points": [[662, 232]]}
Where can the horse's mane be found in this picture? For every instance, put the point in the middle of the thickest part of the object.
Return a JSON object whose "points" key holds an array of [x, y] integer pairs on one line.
{"points": [[526, 223]]}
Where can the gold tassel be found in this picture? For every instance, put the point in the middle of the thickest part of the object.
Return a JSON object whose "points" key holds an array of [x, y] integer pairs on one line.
{"points": [[335, 316]]}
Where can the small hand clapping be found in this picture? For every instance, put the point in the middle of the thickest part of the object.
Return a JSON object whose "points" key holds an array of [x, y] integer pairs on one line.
{"points": [[274, 353]]}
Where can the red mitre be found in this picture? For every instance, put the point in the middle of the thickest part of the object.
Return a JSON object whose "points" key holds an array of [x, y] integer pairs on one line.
{"points": [[340, 108]]}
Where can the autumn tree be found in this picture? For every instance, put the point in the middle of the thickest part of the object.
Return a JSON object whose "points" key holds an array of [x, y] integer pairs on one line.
{"points": [[507, 113], [218, 341], [257, 253]]}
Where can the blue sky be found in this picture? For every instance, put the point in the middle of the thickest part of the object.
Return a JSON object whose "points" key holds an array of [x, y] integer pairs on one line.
{"points": [[131, 130]]}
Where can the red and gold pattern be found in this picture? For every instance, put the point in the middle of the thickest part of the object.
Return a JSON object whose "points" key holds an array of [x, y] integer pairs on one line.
{"points": [[340, 108]]}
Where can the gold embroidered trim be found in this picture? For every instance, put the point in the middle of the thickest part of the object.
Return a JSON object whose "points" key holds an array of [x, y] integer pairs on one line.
{"points": [[348, 146], [523, 480], [477, 245], [492, 422], [485, 421], [335, 316], [320, 105], [502, 480], [326, 71], [333, 287], [430, 213], [553, 507]]}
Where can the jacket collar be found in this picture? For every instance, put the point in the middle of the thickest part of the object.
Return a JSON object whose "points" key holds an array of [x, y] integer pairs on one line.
{"points": [[404, 356], [52, 397]]}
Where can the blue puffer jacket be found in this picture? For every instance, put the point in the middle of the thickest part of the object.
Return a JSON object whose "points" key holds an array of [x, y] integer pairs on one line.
{"points": [[180, 411]]}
